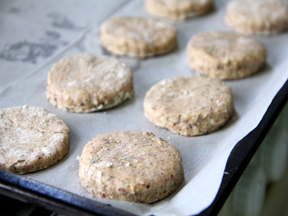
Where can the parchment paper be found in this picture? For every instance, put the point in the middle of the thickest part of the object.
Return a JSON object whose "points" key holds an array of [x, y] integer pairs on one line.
{"points": [[204, 157]]}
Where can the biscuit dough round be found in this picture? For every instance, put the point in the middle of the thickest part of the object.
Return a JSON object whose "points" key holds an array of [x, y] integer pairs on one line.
{"points": [[140, 37], [86, 83], [134, 166], [225, 55], [31, 139], [189, 106], [257, 16], [178, 9]]}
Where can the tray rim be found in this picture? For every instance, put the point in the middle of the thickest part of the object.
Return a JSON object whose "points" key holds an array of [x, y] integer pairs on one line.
{"points": [[246, 148]]}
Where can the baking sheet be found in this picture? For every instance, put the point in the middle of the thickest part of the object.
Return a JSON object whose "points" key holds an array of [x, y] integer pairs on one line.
{"points": [[204, 157]]}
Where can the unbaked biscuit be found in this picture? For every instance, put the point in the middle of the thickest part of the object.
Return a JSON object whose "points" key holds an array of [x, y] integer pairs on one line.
{"points": [[134, 166], [225, 55], [140, 37], [257, 16], [189, 106], [178, 9], [86, 83], [31, 139]]}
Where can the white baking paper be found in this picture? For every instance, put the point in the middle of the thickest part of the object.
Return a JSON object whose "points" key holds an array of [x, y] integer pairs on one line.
{"points": [[33, 32], [204, 157]]}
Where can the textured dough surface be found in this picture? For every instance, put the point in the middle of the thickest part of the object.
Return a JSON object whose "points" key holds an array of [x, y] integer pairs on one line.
{"points": [[86, 83], [178, 9], [134, 166], [31, 139], [225, 55], [189, 106], [257, 16], [135, 36]]}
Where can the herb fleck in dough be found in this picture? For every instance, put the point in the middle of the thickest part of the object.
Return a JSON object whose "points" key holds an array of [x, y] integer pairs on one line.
{"points": [[31, 139], [189, 106], [134, 166], [87, 83]]}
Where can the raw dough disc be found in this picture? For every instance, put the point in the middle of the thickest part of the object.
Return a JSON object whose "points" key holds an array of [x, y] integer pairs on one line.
{"points": [[257, 16], [189, 106], [135, 36], [178, 9], [86, 83], [225, 55], [134, 166], [31, 139]]}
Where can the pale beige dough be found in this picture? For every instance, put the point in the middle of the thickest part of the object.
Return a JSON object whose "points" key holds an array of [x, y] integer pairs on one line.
{"points": [[257, 16], [189, 106], [31, 139], [178, 9], [225, 55], [134, 166], [86, 83], [140, 37]]}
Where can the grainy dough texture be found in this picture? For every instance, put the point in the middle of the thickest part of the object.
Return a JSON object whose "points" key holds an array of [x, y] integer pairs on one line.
{"points": [[178, 9], [189, 106], [31, 139], [225, 55], [140, 37], [86, 83], [134, 166], [257, 16]]}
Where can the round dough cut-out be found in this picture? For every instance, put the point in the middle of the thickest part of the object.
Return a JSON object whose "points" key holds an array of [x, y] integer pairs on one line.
{"points": [[189, 106], [136, 36], [178, 9], [31, 139], [87, 83], [134, 166], [225, 55], [257, 16]]}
